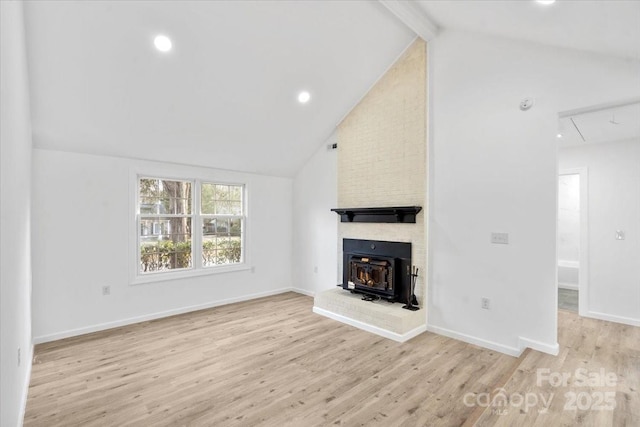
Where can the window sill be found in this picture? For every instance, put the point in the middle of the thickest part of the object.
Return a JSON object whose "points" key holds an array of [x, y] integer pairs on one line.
{"points": [[185, 274]]}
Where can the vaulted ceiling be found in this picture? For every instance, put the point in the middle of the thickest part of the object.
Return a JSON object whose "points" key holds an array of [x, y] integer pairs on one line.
{"points": [[225, 95], [610, 27]]}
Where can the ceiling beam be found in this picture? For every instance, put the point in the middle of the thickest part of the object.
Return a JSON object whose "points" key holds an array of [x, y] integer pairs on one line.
{"points": [[600, 107], [413, 16]]}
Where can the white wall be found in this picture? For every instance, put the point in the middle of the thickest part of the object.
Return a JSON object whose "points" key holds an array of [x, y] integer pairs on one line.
{"points": [[613, 269], [15, 214], [315, 227], [569, 217], [82, 216], [493, 168]]}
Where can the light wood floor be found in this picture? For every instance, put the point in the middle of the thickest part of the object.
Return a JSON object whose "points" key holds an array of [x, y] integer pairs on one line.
{"points": [[589, 344], [273, 362]]}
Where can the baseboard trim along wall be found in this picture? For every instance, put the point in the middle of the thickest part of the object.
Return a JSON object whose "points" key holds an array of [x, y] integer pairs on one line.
{"points": [[370, 328], [612, 318], [158, 315], [539, 346], [25, 386], [304, 292], [511, 351], [523, 343]]}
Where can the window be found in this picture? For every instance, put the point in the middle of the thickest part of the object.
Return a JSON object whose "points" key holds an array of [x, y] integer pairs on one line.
{"points": [[165, 223], [222, 223], [187, 225]]}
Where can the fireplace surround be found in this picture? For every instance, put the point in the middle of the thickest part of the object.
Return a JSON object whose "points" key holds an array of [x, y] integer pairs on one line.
{"points": [[382, 162], [377, 268]]}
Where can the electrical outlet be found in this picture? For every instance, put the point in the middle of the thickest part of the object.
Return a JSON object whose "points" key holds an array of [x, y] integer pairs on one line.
{"points": [[315, 269], [500, 238], [106, 290], [485, 303], [18, 356], [619, 235]]}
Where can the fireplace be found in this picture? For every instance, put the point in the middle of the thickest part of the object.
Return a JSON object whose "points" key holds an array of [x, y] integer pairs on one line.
{"points": [[377, 268]]}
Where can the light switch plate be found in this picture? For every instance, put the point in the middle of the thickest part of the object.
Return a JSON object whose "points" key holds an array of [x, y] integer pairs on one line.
{"points": [[500, 238]]}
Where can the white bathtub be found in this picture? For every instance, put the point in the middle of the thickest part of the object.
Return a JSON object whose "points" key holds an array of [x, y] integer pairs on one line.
{"points": [[568, 274]]}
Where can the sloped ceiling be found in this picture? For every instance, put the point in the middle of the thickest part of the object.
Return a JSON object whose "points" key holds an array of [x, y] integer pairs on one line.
{"points": [[224, 97], [609, 27]]}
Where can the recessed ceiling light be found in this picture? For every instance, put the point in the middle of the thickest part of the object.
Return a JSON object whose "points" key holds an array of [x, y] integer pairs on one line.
{"points": [[304, 97], [162, 43], [559, 135], [546, 1]]}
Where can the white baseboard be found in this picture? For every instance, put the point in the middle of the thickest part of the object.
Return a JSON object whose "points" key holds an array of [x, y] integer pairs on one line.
{"points": [[611, 318], [25, 387], [511, 351], [568, 264], [370, 328], [304, 292], [523, 343], [552, 349], [153, 316], [569, 286]]}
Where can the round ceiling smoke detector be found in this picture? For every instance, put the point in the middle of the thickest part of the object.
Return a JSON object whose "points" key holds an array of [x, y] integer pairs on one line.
{"points": [[526, 103]]}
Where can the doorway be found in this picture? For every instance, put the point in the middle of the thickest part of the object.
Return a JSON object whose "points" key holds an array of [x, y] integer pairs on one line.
{"points": [[599, 194], [571, 241]]}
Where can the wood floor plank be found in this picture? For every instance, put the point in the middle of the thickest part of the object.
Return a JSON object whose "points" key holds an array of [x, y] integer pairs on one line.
{"points": [[272, 362], [591, 345]]}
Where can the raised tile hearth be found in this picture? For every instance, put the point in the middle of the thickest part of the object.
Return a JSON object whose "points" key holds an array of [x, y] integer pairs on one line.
{"points": [[380, 317]]}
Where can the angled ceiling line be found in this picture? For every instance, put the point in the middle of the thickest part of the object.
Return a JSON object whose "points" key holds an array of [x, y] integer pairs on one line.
{"points": [[414, 17], [577, 129], [384, 73], [599, 107]]}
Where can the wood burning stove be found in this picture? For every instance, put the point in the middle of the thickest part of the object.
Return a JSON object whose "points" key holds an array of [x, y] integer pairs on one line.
{"points": [[377, 268], [372, 273]]}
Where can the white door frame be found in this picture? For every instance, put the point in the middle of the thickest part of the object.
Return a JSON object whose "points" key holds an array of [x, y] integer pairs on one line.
{"points": [[583, 272]]}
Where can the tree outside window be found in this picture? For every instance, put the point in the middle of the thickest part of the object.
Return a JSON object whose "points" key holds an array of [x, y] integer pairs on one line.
{"points": [[166, 223]]}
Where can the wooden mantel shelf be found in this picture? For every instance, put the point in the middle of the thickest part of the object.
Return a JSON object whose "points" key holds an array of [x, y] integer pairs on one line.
{"points": [[404, 214]]}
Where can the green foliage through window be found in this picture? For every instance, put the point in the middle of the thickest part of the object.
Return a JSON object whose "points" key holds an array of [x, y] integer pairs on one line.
{"points": [[165, 224], [169, 255]]}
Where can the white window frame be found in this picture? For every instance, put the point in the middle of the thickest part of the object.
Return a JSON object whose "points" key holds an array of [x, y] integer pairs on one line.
{"points": [[140, 217], [201, 216], [197, 268]]}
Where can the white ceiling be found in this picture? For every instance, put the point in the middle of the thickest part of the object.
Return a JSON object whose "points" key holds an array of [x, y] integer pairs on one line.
{"points": [[597, 125], [224, 97], [609, 27]]}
